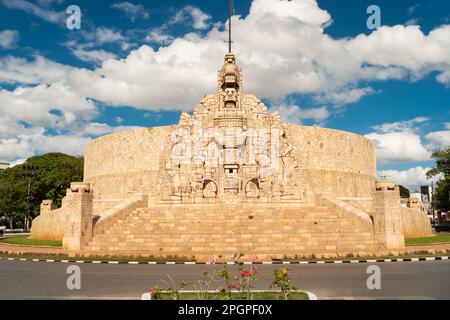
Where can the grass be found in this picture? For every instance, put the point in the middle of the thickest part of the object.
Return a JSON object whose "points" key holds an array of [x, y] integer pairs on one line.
{"points": [[237, 296], [25, 240], [440, 238], [62, 256]]}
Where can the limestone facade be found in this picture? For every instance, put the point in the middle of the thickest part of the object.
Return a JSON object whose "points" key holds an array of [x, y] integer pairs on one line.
{"points": [[230, 177]]}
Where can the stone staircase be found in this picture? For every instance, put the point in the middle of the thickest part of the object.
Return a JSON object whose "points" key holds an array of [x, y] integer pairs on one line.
{"points": [[205, 231]]}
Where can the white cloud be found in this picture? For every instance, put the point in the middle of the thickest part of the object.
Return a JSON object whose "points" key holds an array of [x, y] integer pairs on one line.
{"points": [[438, 140], [159, 36], [51, 106], [37, 71], [411, 178], [281, 45], [409, 125], [132, 11], [394, 147], [99, 129], [87, 48], [48, 3], [295, 114], [95, 56], [345, 96], [36, 140], [444, 77], [412, 22], [17, 162], [36, 10], [198, 17], [307, 11], [143, 76], [413, 8], [303, 59], [107, 35], [9, 39]]}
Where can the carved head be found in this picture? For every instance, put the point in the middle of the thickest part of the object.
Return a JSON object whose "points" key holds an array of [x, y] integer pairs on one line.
{"points": [[230, 58], [230, 91]]}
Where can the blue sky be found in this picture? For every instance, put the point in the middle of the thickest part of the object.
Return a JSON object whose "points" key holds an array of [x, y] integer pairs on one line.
{"points": [[140, 63]]}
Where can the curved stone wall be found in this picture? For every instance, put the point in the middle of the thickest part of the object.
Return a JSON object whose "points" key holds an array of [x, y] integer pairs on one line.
{"points": [[336, 163], [125, 163]]}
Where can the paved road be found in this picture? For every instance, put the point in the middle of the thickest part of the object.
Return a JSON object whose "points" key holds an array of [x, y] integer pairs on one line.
{"points": [[47, 280]]}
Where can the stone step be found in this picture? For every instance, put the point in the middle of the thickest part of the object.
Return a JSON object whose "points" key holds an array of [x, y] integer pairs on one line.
{"points": [[302, 230]]}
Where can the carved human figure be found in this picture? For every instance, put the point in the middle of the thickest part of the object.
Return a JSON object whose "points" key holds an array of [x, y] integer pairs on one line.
{"points": [[209, 189], [252, 188]]}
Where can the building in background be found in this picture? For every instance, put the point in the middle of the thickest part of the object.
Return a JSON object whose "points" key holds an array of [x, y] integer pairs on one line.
{"points": [[4, 165]]}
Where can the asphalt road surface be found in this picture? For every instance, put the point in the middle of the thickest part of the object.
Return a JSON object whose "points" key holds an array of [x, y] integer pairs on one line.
{"points": [[47, 280]]}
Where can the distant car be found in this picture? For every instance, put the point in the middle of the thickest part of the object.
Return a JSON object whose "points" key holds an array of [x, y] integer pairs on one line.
{"points": [[2, 231], [443, 226]]}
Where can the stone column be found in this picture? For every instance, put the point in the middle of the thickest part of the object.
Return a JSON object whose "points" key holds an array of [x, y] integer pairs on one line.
{"points": [[46, 206], [387, 215], [78, 203]]}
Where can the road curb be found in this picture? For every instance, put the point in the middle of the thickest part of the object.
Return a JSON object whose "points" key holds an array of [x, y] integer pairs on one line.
{"points": [[311, 296], [438, 258]]}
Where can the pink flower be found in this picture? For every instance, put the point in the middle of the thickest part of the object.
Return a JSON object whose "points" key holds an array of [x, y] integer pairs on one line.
{"points": [[231, 286], [245, 273], [153, 292], [211, 261], [254, 271], [255, 259]]}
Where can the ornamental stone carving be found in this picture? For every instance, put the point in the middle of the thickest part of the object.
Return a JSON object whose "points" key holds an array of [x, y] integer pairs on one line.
{"points": [[230, 147]]}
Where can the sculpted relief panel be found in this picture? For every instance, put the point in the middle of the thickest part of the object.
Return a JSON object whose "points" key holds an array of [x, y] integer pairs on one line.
{"points": [[230, 148]]}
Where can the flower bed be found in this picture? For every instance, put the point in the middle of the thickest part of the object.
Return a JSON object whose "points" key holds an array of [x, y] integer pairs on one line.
{"points": [[230, 285], [235, 295]]}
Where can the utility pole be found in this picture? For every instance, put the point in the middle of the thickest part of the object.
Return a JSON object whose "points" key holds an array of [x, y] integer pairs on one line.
{"points": [[432, 203], [29, 173]]}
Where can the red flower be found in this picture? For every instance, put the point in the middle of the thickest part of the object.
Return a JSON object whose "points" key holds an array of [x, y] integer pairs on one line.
{"points": [[254, 271], [231, 286], [153, 292], [245, 273]]}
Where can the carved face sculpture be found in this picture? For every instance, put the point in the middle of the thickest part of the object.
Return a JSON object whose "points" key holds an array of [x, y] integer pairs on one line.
{"points": [[230, 91]]}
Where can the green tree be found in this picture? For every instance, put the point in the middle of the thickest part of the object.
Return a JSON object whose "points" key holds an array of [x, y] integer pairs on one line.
{"points": [[442, 158], [23, 187], [404, 192], [441, 198]]}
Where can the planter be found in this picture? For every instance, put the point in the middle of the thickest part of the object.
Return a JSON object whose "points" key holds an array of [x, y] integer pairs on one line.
{"points": [[214, 295]]}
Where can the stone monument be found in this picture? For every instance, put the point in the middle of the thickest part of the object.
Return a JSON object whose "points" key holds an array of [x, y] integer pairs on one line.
{"points": [[230, 177]]}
